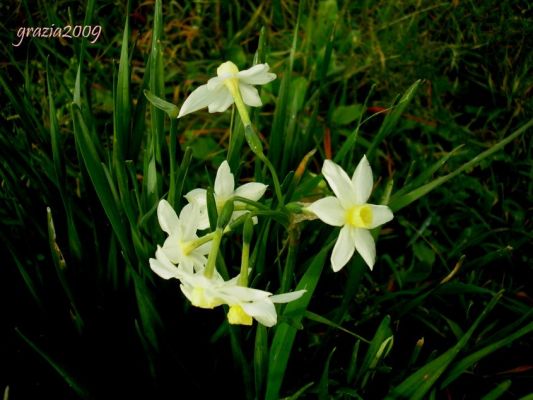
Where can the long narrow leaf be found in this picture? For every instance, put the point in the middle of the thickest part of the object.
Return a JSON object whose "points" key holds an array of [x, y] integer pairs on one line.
{"points": [[417, 385], [471, 359], [405, 200], [285, 333], [69, 379]]}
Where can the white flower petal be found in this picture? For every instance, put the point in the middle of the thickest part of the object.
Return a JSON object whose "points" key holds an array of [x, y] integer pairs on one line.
{"points": [[186, 266], [364, 243], [168, 219], [380, 215], [162, 270], [215, 83], [244, 294], [224, 182], [204, 249], [287, 297], [362, 181], [201, 97], [227, 69], [257, 75], [162, 266], [329, 210], [343, 250], [263, 311], [172, 250], [233, 281], [250, 95], [203, 221], [221, 99], [340, 183], [196, 261], [239, 213], [252, 191], [197, 196], [189, 217]]}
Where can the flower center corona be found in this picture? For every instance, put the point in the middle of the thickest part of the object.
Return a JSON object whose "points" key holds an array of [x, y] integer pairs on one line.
{"points": [[237, 316], [227, 68], [228, 72], [359, 216], [199, 299]]}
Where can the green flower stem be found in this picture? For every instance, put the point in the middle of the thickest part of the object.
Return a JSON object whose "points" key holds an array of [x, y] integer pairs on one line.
{"points": [[255, 204], [211, 260], [257, 148], [245, 258], [275, 180], [290, 261], [251, 136], [247, 232], [233, 87], [172, 155], [193, 244]]}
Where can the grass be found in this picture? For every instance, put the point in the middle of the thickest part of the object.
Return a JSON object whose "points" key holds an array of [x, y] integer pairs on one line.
{"points": [[438, 96]]}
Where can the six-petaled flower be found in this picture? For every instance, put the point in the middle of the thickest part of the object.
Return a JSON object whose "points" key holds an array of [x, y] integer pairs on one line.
{"points": [[349, 209]]}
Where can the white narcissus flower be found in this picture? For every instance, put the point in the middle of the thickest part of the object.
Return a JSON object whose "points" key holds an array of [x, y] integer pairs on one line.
{"points": [[201, 291], [247, 303], [224, 190], [179, 246], [220, 92], [349, 209]]}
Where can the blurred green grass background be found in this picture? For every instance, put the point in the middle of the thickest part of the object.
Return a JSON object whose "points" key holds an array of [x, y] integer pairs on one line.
{"points": [[85, 317]]}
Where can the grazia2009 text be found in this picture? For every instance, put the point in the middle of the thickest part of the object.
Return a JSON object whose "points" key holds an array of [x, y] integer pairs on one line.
{"points": [[68, 32]]}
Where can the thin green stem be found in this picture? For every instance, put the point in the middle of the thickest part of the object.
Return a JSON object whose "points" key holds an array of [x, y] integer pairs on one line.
{"points": [[252, 138], [172, 156], [193, 244], [245, 262], [211, 260], [275, 180]]}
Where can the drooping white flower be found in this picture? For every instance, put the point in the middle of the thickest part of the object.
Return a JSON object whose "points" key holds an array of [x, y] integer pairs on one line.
{"points": [[245, 303], [248, 303], [181, 244], [201, 291], [349, 210], [223, 191], [221, 91]]}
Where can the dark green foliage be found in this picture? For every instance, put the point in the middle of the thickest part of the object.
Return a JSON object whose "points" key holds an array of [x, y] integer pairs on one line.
{"points": [[438, 96]]}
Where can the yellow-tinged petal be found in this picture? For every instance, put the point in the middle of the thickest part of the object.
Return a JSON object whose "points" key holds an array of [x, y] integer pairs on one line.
{"points": [[200, 298], [227, 69], [237, 316], [380, 215], [360, 216]]}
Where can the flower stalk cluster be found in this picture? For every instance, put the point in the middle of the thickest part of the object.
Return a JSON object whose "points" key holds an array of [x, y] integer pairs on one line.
{"points": [[190, 251], [192, 259]]}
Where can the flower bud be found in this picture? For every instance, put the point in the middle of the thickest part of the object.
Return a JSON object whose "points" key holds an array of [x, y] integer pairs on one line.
{"points": [[225, 215]]}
